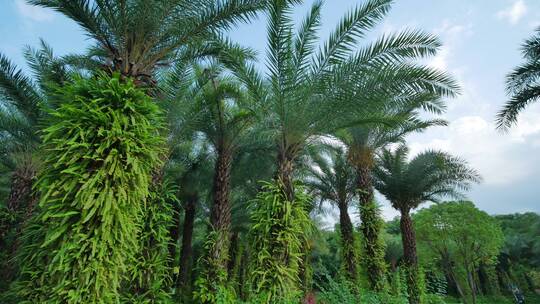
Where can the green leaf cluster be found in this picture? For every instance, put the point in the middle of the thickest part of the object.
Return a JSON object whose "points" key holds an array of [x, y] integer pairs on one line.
{"points": [[101, 146], [150, 274], [278, 234]]}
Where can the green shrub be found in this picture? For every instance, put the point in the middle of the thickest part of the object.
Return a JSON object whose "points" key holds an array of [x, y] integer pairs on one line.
{"points": [[338, 292], [343, 293], [432, 299], [101, 146]]}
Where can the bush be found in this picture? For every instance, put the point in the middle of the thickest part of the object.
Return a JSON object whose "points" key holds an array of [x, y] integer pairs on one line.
{"points": [[343, 293], [337, 292]]}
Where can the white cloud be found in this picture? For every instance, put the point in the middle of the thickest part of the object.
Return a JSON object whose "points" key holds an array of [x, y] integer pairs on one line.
{"points": [[527, 124], [513, 13], [452, 35], [33, 13], [498, 157]]}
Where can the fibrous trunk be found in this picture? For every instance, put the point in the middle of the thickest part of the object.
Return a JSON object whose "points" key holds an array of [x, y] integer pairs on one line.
{"points": [[220, 217], [20, 204], [410, 257], [174, 235], [186, 251], [285, 172], [20, 195], [348, 242], [371, 227]]}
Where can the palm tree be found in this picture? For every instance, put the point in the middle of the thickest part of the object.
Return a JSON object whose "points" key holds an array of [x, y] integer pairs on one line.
{"points": [[22, 106], [136, 37], [363, 142], [522, 83], [216, 108], [189, 166], [252, 163], [409, 183], [133, 39], [309, 93], [332, 179], [23, 102]]}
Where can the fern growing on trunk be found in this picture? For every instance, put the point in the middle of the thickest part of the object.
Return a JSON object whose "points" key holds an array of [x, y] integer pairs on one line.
{"points": [[101, 145], [150, 277], [278, 234]]}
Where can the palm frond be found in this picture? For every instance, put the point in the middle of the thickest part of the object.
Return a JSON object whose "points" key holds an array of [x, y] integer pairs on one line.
{"points": [[509, 114], [18, 90], [428, 176], [522, 84], [352, 27]]}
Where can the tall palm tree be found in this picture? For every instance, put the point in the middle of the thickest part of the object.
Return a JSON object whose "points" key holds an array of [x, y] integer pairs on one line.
{"points": [[133, 39], [333, 179], [136, 37], [310, 91], [227, 115], [409, 183], [522, 84], [216, 108], [189, 166], [363, 143]]}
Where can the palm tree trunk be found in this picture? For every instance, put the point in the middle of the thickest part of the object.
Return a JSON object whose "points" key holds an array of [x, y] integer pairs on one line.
{"points": [[472, 286], [174, 234], [220, 217], [234, 267], [410, 257], [20, 196], [243, 275], [371, 226], [186, 252], [21, 203], [285, 172], [348, 242]]}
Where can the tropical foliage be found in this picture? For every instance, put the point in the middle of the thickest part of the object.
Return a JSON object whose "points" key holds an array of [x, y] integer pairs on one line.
{"points": [[409, 183], [522, 83], [166, 165]]}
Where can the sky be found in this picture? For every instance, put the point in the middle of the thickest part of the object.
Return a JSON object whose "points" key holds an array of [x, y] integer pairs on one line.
{"points": [[481, 41]]}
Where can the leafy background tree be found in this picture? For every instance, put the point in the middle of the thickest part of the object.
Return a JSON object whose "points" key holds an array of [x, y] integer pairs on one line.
{"points": [[462, 239]]}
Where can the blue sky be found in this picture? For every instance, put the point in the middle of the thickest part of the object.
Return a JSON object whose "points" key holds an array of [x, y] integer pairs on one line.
{"points": [[481, 45]]}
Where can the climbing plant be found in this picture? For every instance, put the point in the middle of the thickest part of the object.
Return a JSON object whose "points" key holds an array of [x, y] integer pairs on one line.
{"points": [[101, 145], [149, 277], [278, 233]]}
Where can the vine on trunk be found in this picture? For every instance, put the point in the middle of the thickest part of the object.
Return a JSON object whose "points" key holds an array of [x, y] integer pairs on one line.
{"points": [[373, 246], [150, 276], [278, 236], [101, 146]]}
